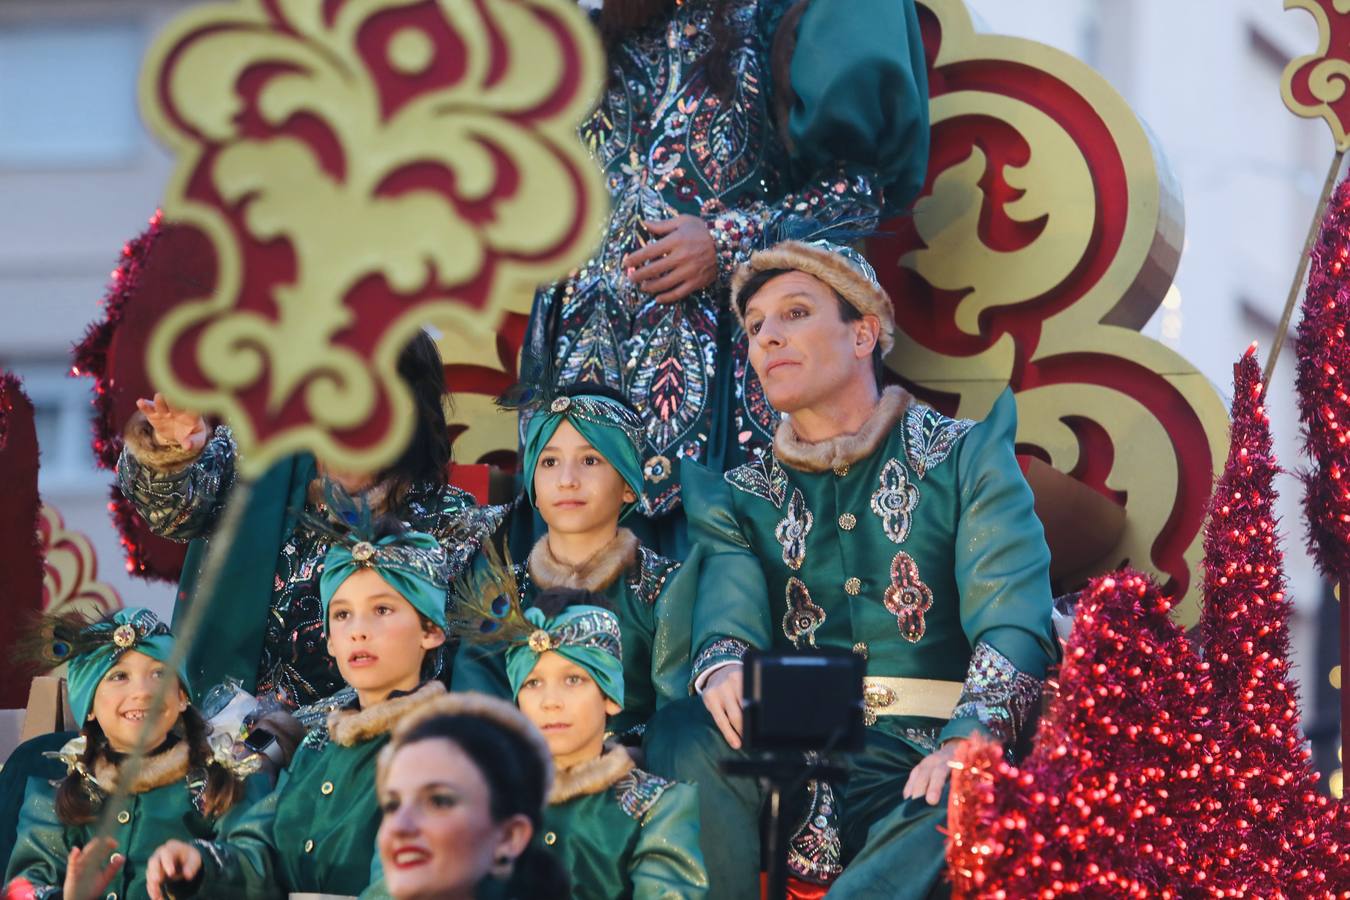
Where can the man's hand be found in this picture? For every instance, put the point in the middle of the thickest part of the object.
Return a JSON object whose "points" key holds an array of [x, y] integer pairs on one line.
{"points": [[927, 778], [722, 696], [173, 861], [174, 426], [85, 879], [682, 261]]}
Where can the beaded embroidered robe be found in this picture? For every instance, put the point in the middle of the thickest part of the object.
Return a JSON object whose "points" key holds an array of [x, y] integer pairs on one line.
{"points": [[914, 543], [670, 145]]}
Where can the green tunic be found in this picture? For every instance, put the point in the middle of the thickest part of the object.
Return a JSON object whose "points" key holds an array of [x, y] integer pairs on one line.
{"points": [[316, 832], [651, 603], [623, 832], [913, 542], [166, 804]]}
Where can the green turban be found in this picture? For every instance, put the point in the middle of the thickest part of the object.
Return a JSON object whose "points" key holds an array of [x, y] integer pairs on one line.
{"points": [[607, 425], [413, 563], [102, 644], [587, 635]]}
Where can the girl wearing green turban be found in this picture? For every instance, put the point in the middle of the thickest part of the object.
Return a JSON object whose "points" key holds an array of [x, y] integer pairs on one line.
{"points": [[383, 591], [127, 700], [620, 831]]}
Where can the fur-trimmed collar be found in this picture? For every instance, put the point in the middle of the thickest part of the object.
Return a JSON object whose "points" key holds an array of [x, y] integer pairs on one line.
{"points": [[155, 771], [352, 726], [592, 777], [604, 567], [844, 449]]}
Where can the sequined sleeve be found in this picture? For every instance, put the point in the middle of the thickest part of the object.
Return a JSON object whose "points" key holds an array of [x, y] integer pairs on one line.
{"points": [[241, 862], [731, 610], [859, 92], [180, 502], [1002, 572], [857, 129], [842, 193], [667, 863], [41, 843]]}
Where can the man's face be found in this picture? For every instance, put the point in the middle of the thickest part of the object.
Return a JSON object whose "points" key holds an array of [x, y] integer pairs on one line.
{"points": [[803, 351]]}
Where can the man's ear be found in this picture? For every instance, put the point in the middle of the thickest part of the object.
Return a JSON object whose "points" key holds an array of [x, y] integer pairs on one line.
{"points": [[866, 333]]}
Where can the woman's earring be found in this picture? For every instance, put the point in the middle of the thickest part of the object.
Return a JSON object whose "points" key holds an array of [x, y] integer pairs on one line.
{"points": [[503, 865]]}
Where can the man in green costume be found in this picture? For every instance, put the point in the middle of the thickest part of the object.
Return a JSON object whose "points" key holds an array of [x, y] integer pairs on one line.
{"points": [[878, 525]]}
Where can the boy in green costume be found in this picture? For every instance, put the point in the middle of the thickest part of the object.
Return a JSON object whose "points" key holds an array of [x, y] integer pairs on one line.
{"points": [[583, 473], [384, 612], [182, 787], [878, 525], [619, 831]]}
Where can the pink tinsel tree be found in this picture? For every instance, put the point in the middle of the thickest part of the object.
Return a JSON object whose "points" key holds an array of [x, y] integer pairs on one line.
{"points": [[1155, 774], [1106, 804], [1279, 835], [1323, 383]]}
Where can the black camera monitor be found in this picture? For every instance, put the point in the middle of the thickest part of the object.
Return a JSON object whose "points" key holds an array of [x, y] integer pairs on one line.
{"points": [[804, 700]]}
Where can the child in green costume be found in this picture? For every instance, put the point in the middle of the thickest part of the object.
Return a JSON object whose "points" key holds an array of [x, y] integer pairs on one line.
{"points": [[620, 831], [383, 594], [582, 470], [180, 788]]}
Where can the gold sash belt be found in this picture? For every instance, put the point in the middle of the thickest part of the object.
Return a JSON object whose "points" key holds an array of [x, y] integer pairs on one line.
{"points": [[909, 697]]}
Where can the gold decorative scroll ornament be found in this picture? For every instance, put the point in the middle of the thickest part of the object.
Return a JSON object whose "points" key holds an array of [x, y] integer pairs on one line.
{"points": [[1047, 234], [70, 571], [361, 168]]}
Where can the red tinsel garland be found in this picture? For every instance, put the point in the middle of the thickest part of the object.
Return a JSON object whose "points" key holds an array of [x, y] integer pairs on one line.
{"points": [[1156, 774], [1323, 390], [20, 543], [90, 355], [146, 555]]}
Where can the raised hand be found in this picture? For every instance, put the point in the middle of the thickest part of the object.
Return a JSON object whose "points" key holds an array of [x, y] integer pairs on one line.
{"points": [[173, 861], [85, 877], [174, 426]]}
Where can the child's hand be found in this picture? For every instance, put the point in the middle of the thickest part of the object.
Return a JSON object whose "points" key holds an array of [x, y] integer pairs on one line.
{"points": [[174, 426], [84, 878], [173, 861]]}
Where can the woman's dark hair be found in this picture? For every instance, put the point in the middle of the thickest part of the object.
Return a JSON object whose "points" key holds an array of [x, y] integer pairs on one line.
{"points": [[76, 804], [427, 458], [847, 311], [516, 780], [620, 18]]}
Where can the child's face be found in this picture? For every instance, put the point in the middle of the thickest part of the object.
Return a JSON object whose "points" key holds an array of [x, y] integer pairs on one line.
{"points": [[566, 704], [377, 637], [124, 702], [576, 489]]}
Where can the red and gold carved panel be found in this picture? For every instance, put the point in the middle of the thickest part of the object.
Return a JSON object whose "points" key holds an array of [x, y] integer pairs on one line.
{"points": [[1046, 235], [70, 572], [361, 167], [1315, 85]]}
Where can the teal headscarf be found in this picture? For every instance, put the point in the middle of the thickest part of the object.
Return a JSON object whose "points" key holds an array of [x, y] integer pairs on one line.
{"points": [[414, 563], [587, 635], [101, 645], [607, 425]]}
